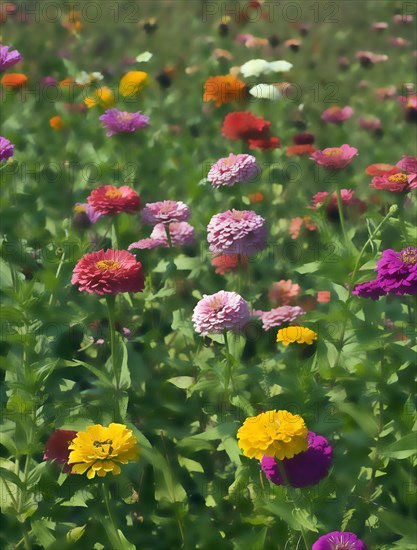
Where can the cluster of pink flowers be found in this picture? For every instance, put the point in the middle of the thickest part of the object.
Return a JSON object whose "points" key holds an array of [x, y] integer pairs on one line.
{"points": [[181, 234]]}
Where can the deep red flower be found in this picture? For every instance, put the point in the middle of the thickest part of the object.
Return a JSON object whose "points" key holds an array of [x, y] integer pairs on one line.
{"points": [[304, 138], [265, 144], [246, 126], [108, 272], [112, 200], [56, 447]]}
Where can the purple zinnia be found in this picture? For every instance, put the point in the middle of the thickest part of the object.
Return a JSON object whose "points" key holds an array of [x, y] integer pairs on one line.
{"points": [[217, 313], [306, 468], [6, 149], [181, 233], [165, 212], [8, 57], [236, 232], [339, 540], [278, 316], [88, 210], [116, 121], [372, 290], [233, 169]]}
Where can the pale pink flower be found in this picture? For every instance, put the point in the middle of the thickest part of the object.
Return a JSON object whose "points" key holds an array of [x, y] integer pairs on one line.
{"points": [[165, 212], [335, 158], [284, 292], [220, 312], [236, 232], [233, 169], [278, 316], [336, 115], [181, 233]]}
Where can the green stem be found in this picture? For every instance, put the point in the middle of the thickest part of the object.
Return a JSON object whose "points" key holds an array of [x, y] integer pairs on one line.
{"points": [[166, 225], [342, 217], [111, 301], [115, 233], [58, 271], [228, 376], [114, 537]]}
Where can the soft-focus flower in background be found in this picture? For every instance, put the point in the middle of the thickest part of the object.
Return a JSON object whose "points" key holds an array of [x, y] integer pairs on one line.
{"points": [[323, 296], [224, 89], [14, 81], [6, 149], [165, 212], [296, 224], [267, 144], [85, 79], [298, 334], [266, 91], [278, 316], [336, 115], [220, 312], [409, 104], [233, 169], [99, 449], [381, 169], [304, 469], [111, 200], [335, 158], [116, 122], [8, 57], [132, 83], [103, 97], [108, 272], [245, 125], [284, 292], [56, 123], [228, 262], [278, 434], [258, 67], [339, 540], [56, 448], [181, 234], [236, 232]]}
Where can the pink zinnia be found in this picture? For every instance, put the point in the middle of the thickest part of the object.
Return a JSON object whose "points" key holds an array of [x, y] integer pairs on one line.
{"points": [[112, 200], [409, 165], [217, 313], [181, 233], [297, 223], [56, 448], [323, 196], [336, 115], [233, 169], [372, 124], [165, 212], [278, 316], [236, 232], [335, 158], [284, 292], [395, 183], [108, 272]]}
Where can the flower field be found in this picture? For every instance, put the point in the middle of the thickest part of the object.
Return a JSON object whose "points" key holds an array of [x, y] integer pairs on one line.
{"points": [[208, 275]]}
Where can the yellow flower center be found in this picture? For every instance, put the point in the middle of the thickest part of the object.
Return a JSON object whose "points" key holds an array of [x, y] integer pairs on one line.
{"points": [[334, 110], [105, 265], [101, 444], [333, 152], [409, 256], [79, 208], [398, 178], [113, 193]]}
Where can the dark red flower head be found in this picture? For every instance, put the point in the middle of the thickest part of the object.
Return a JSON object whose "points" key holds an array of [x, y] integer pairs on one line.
{"points": [[244, 125], [56, 448]]}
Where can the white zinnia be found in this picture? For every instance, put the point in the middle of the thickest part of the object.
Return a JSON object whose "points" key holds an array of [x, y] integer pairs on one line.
{"points": [[84, 78], [256, 67], [265, 91]]}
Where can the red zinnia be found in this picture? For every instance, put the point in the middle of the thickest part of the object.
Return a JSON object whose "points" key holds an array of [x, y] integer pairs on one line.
{"points": [[109, 199], [244, 125], [306, 149], [108, 272], [56, 447], [267, 144], [381, 169]]}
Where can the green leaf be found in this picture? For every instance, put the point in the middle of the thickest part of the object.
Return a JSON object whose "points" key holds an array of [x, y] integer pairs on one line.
{"points": [[75, 534], [403, 448], [182, 382], [43, 534]]}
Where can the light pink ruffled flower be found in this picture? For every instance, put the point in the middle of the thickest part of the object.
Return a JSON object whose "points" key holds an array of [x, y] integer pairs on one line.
{"points": [[233, 169], [335, 158], [236, 232], [181, 233], [165, 212], [278, 316], [217, 313], [284, 292], [336, 115]]}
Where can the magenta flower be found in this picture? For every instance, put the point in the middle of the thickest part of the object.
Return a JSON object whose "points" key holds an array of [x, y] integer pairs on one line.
{"points": [[217, 313], [8, 57], [56, 448], [371, 289], [306, 468], [6, 149], [181, 233], [278, 316], [335, 158], [115, 121], [236, 232], [339, 540], [233, 169], [409, 165], [88, 210], [165, 212], [336, 115]]}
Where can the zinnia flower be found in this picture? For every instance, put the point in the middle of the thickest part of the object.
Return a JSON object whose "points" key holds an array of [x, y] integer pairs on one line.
{"points": [[224, 89], [395, 183], [6, 149], [335, 158], [278, 434], [112, 200], [267, 144], [115, 121], [56, 448], [14, 80], [304, 469], [278, 316], [236, 232], [397, 271], [132, 83], [381, 169], [103, 97], [181, 234], [99, 449], [108, 272], [220, 312], [297, 223], [347, 196], [284, 292], [233, 169], [243, 125], [8, 57], [257, 67], [371, 289], [165, 212], [336, 115], [306, 149], [266, 91], [227, 262], [301, 335], [339, 540]]}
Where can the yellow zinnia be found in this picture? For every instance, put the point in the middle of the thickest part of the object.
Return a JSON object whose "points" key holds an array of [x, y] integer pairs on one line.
{"points": [[97, 450], [103, 97], [273, 433], [132, 83], [301, 335]]}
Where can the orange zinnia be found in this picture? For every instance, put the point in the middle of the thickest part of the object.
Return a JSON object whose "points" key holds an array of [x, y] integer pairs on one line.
{"points": [[14, 80], [56, 123], [224, 89]]}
